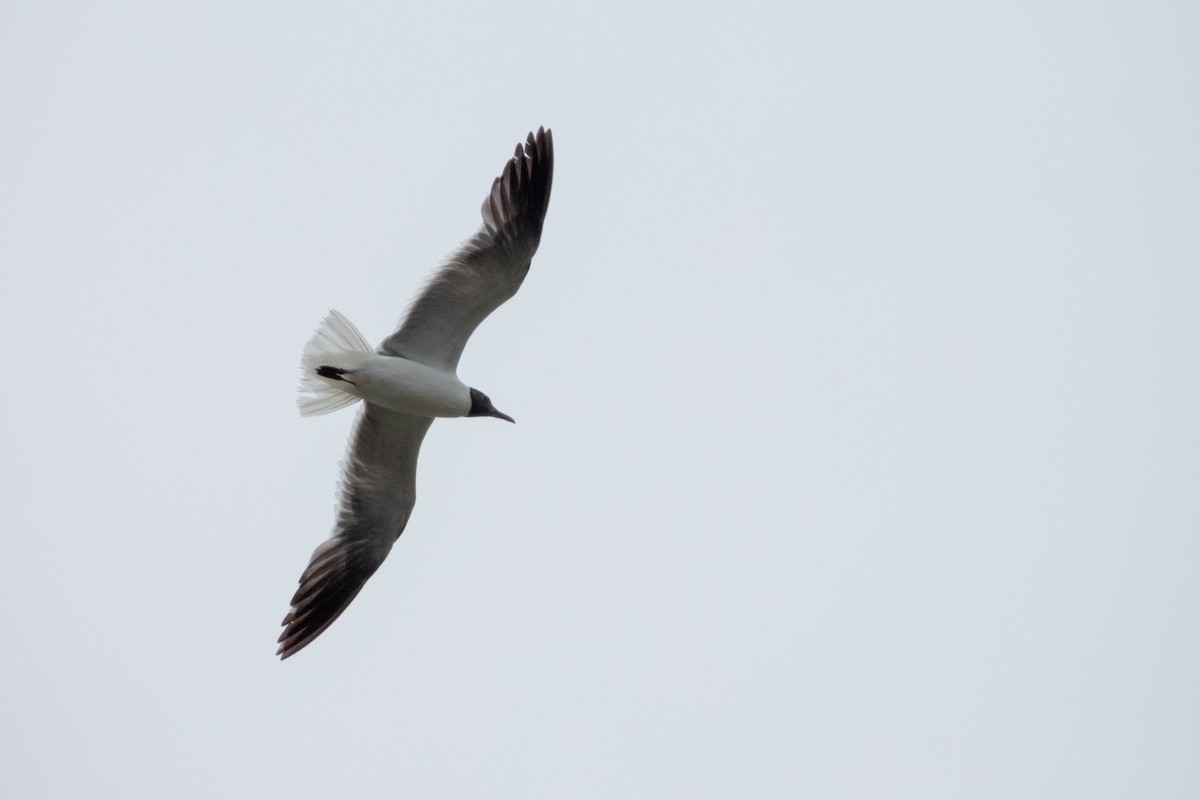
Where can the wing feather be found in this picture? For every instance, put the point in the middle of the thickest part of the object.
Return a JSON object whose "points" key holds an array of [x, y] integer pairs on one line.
{"points": [[379, 489], [488, 269]]}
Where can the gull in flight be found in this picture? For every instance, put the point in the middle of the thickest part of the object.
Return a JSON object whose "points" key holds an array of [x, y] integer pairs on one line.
{"points": [[406, 383]]}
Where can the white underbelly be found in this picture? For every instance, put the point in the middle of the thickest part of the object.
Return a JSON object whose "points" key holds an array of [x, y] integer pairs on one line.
{"points": [[410, 388]]}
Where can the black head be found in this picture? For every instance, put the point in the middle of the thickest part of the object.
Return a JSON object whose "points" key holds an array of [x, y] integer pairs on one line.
{"points": [[481, 406]]}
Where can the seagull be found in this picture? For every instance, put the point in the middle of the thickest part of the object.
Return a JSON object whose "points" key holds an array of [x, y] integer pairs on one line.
{"points": [[405, 384]]}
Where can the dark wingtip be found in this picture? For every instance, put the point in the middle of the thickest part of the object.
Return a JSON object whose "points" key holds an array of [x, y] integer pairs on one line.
{"points": [[335, 575], [540, 150], [520, 196]]}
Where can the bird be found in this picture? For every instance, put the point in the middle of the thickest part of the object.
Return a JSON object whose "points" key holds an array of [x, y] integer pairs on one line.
{"points": [[407, 382]]}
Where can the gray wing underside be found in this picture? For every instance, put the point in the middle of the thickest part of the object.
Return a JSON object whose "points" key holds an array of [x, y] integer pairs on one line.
{"points": [[488, 269], [377, 497]]}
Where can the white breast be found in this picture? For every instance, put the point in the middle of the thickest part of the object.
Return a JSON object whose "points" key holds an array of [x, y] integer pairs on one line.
{"points": [[410, 388]]}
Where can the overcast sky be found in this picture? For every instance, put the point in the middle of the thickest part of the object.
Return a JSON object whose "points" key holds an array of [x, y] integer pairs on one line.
{"points": [[857, 384]]}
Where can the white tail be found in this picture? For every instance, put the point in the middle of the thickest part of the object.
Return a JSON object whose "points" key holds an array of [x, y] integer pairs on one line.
{"points": [[337, 343]]}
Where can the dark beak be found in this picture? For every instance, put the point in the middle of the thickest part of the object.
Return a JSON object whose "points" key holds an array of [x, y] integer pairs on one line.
{"points": [[481, 406]]}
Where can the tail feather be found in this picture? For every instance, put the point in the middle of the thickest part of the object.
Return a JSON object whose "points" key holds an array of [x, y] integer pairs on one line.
{"points": [[322, 391]]}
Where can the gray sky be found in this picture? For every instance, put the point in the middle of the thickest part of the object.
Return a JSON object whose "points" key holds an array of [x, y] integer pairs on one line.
{"points": [[856, 384]]}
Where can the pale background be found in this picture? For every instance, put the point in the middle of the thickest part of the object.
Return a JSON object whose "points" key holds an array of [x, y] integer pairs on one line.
{"points": [[857, 385]]}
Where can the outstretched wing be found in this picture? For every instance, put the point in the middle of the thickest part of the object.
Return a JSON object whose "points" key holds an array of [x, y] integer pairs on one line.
{"points": [[379, 489], [488, 269]]}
